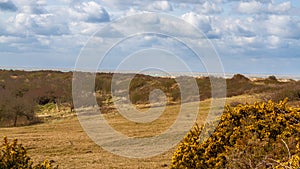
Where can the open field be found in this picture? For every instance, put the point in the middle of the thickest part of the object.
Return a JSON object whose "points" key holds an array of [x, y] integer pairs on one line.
{"points": [[64, 141], [40, 104]]}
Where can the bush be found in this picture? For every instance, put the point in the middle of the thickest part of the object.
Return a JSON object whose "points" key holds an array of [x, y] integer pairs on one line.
{"points": [[293, 162], [292, 91], [261, 135], [14, 156]]}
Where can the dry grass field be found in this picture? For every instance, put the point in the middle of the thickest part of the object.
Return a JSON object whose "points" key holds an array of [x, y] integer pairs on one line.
{"points": [[63, 140]]}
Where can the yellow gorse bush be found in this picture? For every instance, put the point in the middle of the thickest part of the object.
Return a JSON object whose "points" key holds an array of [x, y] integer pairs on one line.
{"points": [[259, 135], [14, 156]]}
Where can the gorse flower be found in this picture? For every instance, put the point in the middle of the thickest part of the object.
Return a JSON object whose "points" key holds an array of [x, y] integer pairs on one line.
{"points": [[14, 156], [260, 135]]}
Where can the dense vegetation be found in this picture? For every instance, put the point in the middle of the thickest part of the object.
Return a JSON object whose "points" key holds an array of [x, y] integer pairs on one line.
{"points": [[260, 135], [22, 92], [14, 156]]}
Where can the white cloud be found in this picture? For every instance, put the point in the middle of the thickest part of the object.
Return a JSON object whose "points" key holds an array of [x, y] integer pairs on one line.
{"points": [[254, 7], [208, 7], [261, 1], [46, 24], [228, 26], [141, 5], [9, 39], [30, 3], [33, 9], [265, 28], [42, 24], [89, 12], [274, 41], [160, 6], [195, 1], [253, 36], [84, 28], [282, 26], [244, 41], [118, 5], [202, 22], [133, 11], [249, 7], [280, 8]]}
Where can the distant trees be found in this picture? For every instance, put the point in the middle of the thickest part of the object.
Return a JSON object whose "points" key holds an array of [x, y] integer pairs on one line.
{"points": [[273, 78], [15, 104], [22, 91]]}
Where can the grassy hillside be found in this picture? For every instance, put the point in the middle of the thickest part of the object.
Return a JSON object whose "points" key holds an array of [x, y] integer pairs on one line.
{"points": [[39, 103], [23, 93]]}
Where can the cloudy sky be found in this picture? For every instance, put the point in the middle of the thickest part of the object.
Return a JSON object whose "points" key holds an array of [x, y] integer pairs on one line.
{"points": [[259, 36]]}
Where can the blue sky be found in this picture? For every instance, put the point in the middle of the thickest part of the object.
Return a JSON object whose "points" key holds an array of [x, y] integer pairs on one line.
{"points": [[260, 36]]}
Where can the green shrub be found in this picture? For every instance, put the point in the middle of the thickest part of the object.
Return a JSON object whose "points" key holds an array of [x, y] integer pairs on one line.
{"points": [[261, 135], [14, 156]]}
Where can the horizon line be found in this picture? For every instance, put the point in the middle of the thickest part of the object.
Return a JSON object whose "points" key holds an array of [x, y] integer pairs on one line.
{"points": [[195, 73]]}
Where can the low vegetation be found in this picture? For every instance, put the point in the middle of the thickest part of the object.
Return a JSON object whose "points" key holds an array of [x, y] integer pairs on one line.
{"points": [[14, 156], [259, 135], [23, 92]]}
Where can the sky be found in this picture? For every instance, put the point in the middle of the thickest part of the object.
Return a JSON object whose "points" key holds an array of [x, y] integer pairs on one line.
{"points": [[249, 36]]}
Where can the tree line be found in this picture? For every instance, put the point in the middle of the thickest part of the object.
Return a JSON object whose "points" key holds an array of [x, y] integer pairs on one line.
{"points": [[22, 91]]}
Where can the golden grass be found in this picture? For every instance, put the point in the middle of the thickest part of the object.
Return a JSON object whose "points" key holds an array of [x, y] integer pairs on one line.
{"points": [[64, 141]]}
